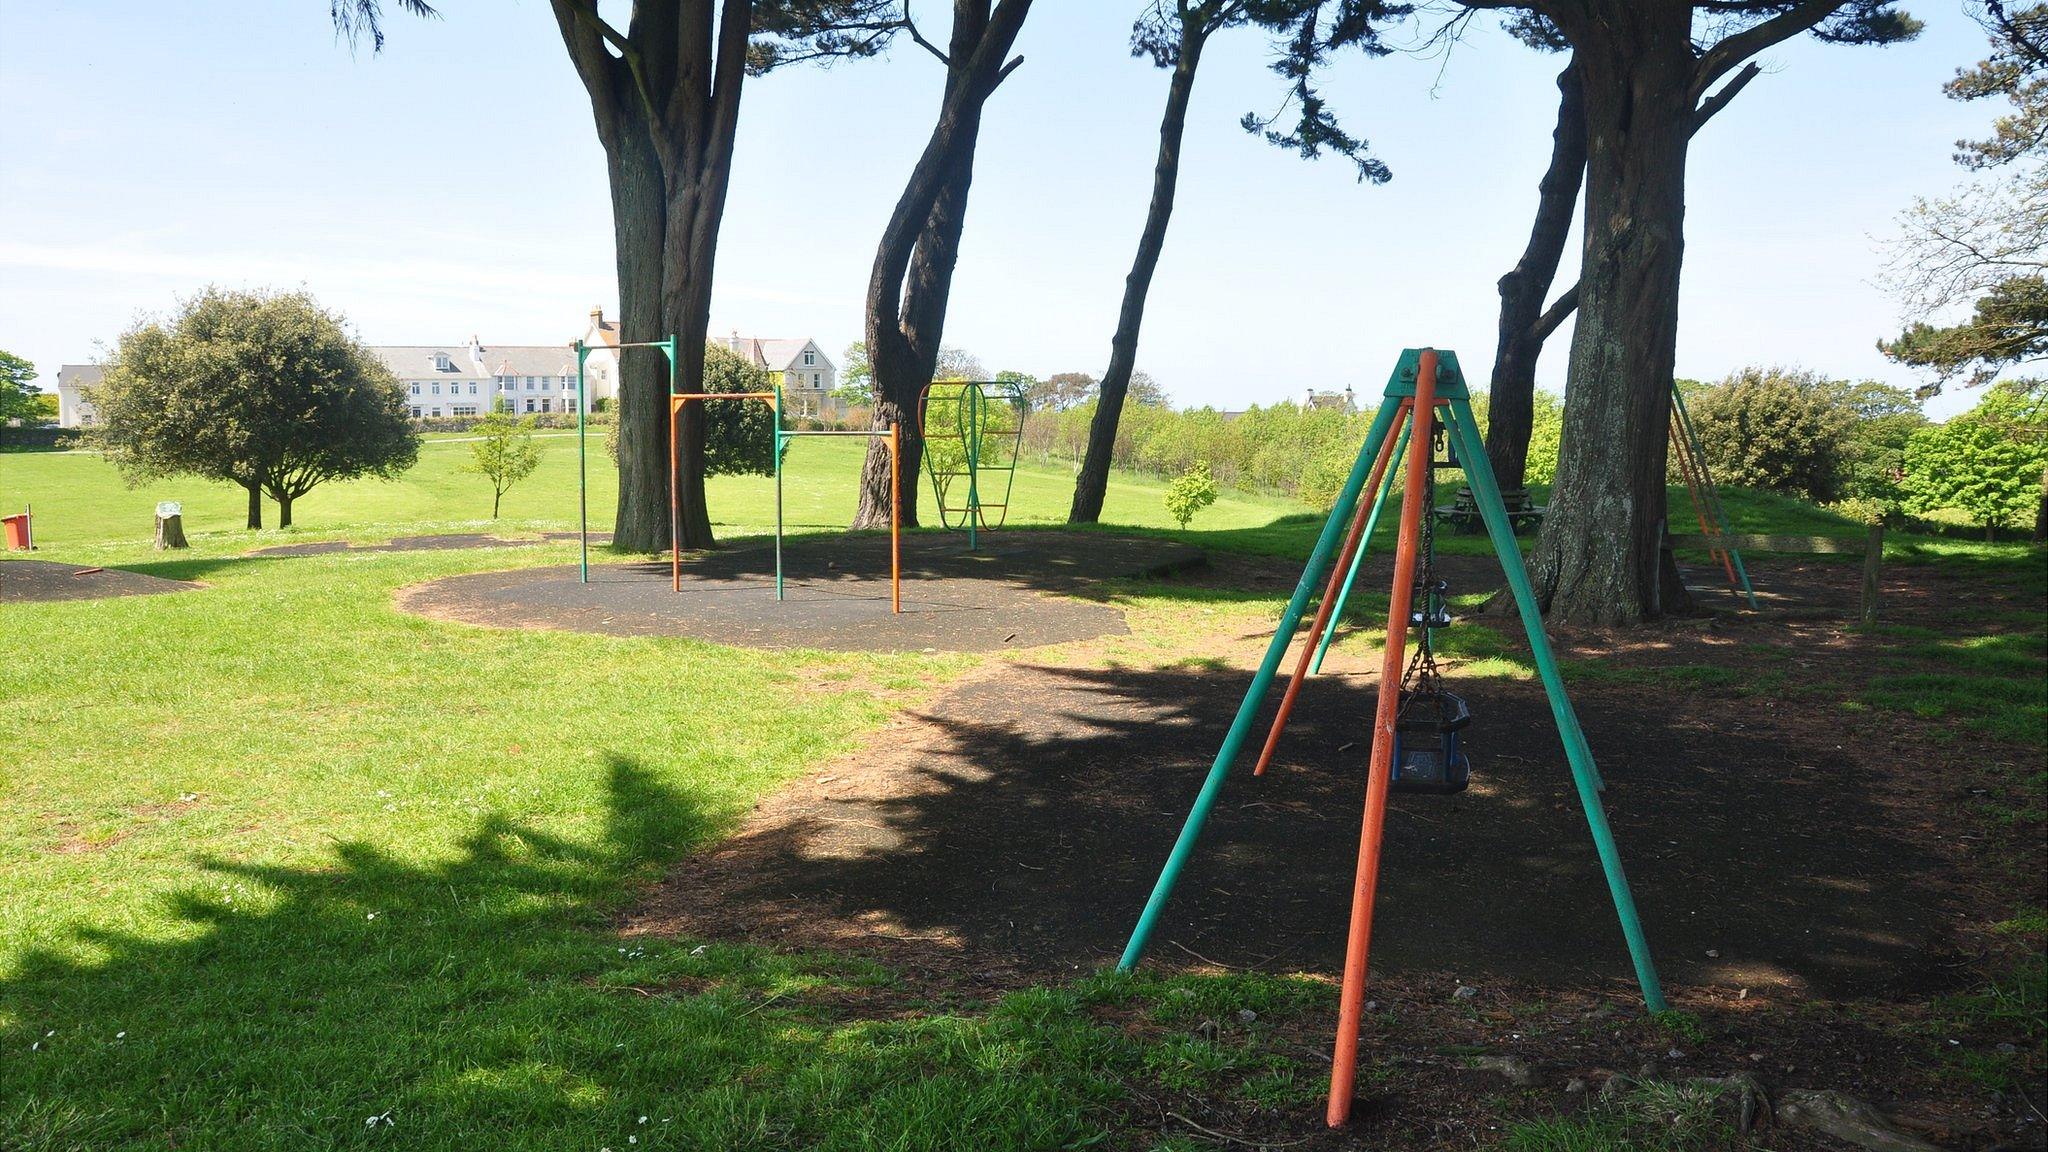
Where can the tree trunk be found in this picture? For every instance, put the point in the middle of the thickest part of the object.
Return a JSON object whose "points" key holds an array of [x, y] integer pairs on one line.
{"points": [[639, 224], [1511, 402], [255, 505], [497, 495], [1598, 557], [284, 511], [913, 272], [1092, 486]]}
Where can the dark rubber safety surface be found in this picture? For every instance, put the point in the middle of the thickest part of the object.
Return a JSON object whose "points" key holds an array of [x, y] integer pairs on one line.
{"points": [[1017, 590]]}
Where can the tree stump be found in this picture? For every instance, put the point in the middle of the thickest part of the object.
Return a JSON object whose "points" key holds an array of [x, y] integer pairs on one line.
{"points": [[170, 526]]}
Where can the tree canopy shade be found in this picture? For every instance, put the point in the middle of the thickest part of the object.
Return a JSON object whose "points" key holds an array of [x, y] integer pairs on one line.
{"points": [[1985, 248], [913, 270], [1646, 69], [265, 390]]}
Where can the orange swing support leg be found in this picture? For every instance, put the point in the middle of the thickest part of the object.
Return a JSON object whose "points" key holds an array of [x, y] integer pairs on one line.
{"points": [[1351, 1002], [675, 501], [1694, 488], [1352, 540]]}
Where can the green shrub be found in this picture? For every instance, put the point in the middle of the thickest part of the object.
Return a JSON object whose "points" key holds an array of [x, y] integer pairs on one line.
{"points": [[1189, 493]]}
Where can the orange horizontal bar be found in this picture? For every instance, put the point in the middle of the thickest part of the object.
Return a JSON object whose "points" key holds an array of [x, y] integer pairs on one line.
{"points": [[681, 397]]}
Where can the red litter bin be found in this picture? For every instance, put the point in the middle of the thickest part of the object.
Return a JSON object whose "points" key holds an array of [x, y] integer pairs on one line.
{"points": [[19, 538]]}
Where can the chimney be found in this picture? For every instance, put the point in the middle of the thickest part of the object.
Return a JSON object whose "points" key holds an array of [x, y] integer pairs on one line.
{"points": [[597, 316], [734, 342]]}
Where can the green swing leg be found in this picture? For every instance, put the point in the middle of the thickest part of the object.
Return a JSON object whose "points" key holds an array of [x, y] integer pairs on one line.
{"points": [[1240, 727], [1487, 495], [1379, 501]]}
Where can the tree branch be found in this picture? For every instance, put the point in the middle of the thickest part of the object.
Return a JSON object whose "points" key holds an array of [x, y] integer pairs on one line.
{"points": [[1719, 100], [1733, 50], [1555, 315], [910, 26]]}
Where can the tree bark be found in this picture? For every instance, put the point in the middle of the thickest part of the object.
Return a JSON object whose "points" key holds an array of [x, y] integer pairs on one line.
{"points": [[913, 271], [1092, 485], [667, 109], [284, 511], [1511, 399], [255, 504], [1598, 557]]}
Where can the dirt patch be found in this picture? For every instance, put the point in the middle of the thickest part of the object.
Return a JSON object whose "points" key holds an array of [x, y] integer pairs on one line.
{"points": [[441, 543], [1018, 590], [40, 581]]}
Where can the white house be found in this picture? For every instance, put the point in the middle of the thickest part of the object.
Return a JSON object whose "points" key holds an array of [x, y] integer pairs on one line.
{"points": [[806, 375], [474, 378], [73, 409]]}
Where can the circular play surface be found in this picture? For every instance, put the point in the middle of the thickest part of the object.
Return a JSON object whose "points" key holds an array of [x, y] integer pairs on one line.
{"points": [[1018, 590], [33, 581]]}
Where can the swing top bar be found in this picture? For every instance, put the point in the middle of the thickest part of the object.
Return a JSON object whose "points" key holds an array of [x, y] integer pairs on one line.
{"points": [[1450, 379]]}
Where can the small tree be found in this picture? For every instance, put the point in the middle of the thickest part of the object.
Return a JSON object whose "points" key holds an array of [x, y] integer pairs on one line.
{"points": [[739, 436], [265, 390], [19, 400], [1987, 463], [1190, 492], [504, 454]]}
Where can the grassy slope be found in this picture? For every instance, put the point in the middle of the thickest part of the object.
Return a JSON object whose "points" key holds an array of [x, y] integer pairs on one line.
{"points": [[79, 499], [276, 859]]}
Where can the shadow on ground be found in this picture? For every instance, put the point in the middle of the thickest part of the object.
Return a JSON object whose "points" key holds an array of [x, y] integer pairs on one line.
{"points": [[1023, 820]]}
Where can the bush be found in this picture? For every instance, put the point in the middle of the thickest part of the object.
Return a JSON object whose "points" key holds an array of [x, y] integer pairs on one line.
{"points": [[1776, 429], [1987, 463], [1189, 493]]}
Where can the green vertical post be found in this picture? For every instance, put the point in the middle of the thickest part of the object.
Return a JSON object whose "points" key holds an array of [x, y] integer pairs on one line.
{"points": [[775, 414], [1379, 501], [582, 467], [970, 395], [1486, 494], [1240, 727]]}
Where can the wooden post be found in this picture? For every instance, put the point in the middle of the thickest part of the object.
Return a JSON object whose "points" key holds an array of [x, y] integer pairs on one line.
{"points": [[1873, 563]]}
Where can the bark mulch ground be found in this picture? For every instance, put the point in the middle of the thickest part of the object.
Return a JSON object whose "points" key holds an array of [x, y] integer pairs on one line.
{"points": [[1788, 857], [1005, 594], [38, 581]]}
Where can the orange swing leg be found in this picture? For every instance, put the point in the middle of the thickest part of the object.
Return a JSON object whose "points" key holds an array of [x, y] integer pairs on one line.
{"points": [[1351, 1002]]}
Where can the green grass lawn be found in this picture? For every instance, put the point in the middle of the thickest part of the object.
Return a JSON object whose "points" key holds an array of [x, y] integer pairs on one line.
{"points": [[80, 499], [282, 867]]}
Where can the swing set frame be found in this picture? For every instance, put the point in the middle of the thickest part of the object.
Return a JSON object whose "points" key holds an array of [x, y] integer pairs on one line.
{"points": [[1426, 389]]}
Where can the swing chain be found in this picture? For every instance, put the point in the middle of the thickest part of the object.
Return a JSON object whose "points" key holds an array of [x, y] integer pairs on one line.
{"points": [[1429, 609]]}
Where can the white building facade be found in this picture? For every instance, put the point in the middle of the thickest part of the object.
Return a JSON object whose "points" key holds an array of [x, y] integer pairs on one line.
{"points": [[467, 380]]}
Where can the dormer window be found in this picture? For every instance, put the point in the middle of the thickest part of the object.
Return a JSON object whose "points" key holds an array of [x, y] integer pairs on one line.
{"points": [[442, 363], [810, 357]]}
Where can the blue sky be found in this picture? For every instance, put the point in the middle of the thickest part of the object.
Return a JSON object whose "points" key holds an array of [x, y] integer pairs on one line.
{"points": [[454, 185]]}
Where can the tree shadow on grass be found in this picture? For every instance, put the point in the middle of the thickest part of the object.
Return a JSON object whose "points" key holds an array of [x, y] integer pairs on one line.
{"points": [[472, 996]]}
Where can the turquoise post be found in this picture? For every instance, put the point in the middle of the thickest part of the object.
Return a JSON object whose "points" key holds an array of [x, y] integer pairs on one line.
{"points": [[1379, 501], [775, 414], [970, 395], [1486, 494], [582, 468], [1290, 620]]}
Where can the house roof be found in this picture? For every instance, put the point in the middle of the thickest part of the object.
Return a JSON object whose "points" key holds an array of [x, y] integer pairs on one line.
{"points": [[773, 353], [80, 375], [529, 360], [417, 361]]}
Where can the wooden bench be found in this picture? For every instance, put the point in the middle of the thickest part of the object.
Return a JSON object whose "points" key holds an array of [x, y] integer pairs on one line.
{"points": [[1871, 548]]}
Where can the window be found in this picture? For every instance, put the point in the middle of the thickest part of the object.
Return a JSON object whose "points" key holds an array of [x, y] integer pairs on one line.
{"points": [[546, 404], [437, 413], [568, 404], [415, 391], [472, 389], [529, 382], [529, 403], [437, 389], [810, 358], [463, 410], [817, 380], [415, 409]]}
